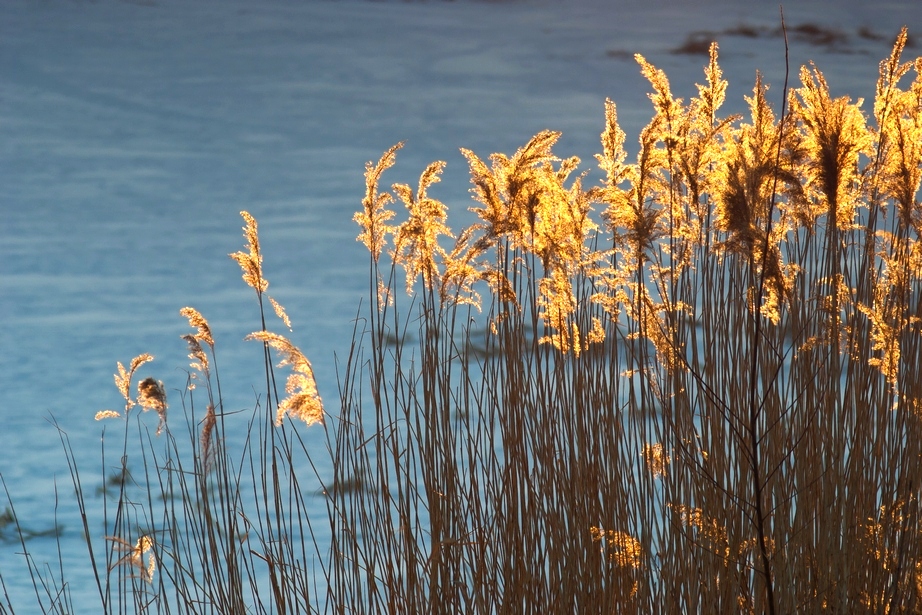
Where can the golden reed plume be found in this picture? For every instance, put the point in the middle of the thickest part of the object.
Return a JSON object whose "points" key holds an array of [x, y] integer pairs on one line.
{"points": [[134, 558], [151, 394], [303, 401]]}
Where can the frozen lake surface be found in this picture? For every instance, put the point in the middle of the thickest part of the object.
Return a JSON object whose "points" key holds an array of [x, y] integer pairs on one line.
{"points": [[132, 134]]}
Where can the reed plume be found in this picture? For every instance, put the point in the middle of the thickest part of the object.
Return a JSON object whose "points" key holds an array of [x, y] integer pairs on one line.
{"points": [[251, 264], [374, 215], [123, 377], [899, 122], [152, 396], [134, 558], [303, 401], [198, 322], [251, 261], [416, 241], [197, 354]]}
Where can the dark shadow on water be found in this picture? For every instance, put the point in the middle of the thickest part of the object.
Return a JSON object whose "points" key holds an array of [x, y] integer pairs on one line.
{"points": [[11, 531], [832, 40]]}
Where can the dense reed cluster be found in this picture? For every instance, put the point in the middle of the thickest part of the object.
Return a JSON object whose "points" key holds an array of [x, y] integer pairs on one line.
{"points": [[693, 387]]}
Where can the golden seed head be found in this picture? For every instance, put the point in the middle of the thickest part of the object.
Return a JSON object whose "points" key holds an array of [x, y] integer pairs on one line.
{"points": [[198, 322], [303, 399], [124, 376], [622, 548], [206, 437], [374, 216], [280, 312], [196, 353], [251, 260], [152, 396], [417, 246]]}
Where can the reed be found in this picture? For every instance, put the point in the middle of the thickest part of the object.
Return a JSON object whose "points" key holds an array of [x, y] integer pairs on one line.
{"points": [[693, 387]]}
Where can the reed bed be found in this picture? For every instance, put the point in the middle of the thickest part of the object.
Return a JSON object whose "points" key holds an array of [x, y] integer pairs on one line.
{"points": [[693, 387]]}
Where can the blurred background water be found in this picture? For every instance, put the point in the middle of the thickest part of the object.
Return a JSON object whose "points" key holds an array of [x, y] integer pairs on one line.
{"points": [[133, 132]]}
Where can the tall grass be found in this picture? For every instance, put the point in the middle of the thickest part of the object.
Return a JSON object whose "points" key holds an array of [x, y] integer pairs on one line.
{"points": [[694, 387], [705, 399]]}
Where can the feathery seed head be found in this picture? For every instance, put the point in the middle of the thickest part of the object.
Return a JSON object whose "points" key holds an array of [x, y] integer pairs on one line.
{"points": [[135, 556], [251, 260], [152, 396], [373, 217], [622, 548], [303, 401], [833, 134], [198, 322], [656, 459], [206, 438], [416, 244], [899, 118], [280, 312], [197, 354], [124, 376], [712, 96]]}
